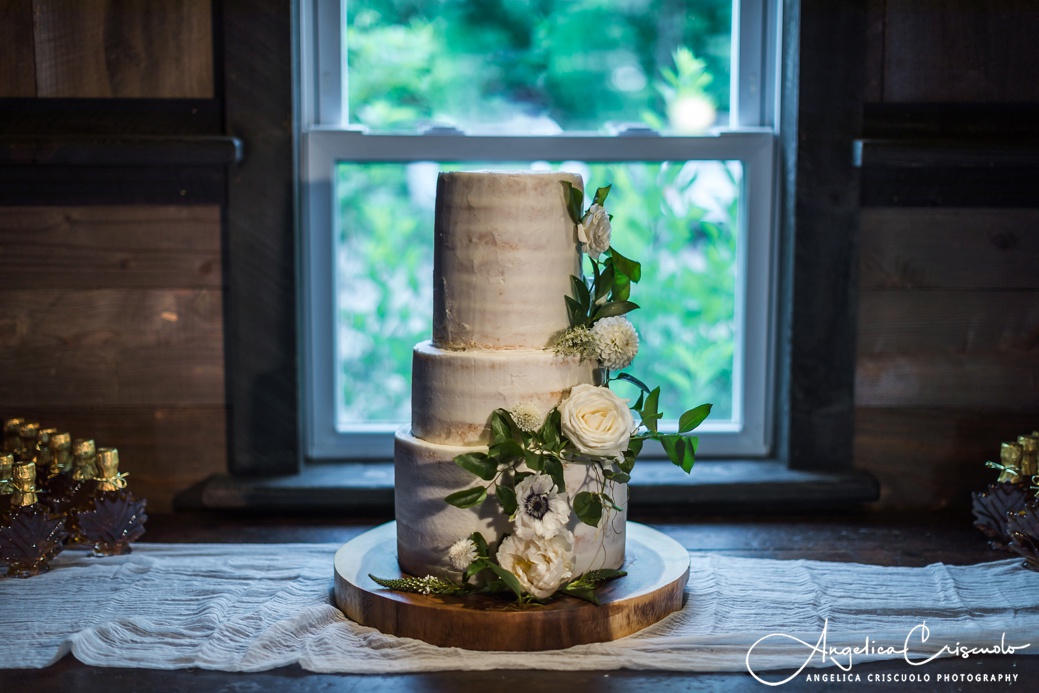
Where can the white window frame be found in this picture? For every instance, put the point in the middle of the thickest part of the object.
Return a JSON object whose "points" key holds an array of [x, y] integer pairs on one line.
{"points": [[750, 139]]}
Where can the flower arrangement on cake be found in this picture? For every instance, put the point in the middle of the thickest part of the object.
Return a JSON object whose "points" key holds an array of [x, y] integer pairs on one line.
{"points": [[529, 449]]}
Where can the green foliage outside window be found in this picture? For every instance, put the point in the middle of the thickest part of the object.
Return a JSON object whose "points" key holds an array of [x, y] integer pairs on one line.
{"points": [[679, 220], [538, 66], [570, 64]]}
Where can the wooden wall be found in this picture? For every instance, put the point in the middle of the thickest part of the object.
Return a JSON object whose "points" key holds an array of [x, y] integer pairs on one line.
{"points": [[948, 324], [111, 303], [112, 294]]}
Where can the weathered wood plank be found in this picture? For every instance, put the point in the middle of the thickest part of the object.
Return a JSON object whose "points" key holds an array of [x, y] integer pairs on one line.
{"points": [[17, 59], [954, 322], [949, 248], [111, 347], [261, 258], [934, 457], [1001, 381], [110, 247], [132, 49], [961, 50], [165, 450]]}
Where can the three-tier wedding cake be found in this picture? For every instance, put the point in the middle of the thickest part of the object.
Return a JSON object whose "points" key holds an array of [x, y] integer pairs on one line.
{"points": [[505, 250]]}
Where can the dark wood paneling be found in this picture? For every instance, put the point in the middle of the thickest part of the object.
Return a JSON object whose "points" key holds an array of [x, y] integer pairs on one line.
{"points": [[112, 185], [124, 117], [957, 322], [129, 49], [985, 382], [828, 76], [934, 457], [17, 60], [164, 449], [111, 347], [110, 247], [961, 50], [261, 257], [949, 248], [876, 22]]}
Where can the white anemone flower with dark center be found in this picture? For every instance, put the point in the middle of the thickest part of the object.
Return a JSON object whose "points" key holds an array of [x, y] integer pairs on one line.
{"points": [[540, 511]]}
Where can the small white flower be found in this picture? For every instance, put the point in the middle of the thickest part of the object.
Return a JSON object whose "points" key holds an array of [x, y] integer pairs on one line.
{"points": [[462, 553], [577, 341], [540, 564], [540, 510], [616, 342], [596, 421], [594, 231], [528, 416]]}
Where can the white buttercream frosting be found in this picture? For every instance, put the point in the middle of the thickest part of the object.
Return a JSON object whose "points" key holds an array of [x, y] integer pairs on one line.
{"points": [[427, 527], [454, 392], [504, 250]]}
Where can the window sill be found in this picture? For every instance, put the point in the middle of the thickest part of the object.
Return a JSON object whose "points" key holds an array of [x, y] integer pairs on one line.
{"points": [[714, 486]]}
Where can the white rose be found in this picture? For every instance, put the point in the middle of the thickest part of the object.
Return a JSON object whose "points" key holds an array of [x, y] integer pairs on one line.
{"points": [[594, 231], [540, 564], [596, 421]]}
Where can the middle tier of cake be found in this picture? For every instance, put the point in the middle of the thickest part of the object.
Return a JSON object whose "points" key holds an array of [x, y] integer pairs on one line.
{"points": [[455, 392]]}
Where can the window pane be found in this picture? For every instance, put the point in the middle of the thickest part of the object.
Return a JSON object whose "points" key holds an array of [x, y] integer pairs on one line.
{"points": [[678, 219], [538, 66]]}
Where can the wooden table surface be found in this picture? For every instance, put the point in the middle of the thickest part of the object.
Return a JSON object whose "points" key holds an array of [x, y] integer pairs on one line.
{"points": [[903, 539]]}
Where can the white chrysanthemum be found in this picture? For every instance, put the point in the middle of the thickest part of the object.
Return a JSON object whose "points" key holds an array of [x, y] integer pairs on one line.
{"points": [[594, 231], [616, 342], [540, 510], [540, 564], [528, 416], [462, 553]]}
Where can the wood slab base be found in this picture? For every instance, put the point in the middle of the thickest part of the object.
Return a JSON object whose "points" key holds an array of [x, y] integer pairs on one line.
{"points": [[657, 566]]}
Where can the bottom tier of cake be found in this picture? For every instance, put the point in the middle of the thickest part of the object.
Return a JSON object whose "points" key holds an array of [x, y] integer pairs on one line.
{"points": [[427, 526]]}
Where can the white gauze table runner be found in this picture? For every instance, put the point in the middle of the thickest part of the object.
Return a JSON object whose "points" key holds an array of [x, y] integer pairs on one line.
{"points": [[251, 607]]}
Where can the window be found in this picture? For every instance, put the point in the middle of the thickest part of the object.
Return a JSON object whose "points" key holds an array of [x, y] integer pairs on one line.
{"points": [[691, 160]]}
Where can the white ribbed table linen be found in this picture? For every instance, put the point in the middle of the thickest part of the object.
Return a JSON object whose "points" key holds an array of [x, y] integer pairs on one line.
{"points": [[252, 607]]}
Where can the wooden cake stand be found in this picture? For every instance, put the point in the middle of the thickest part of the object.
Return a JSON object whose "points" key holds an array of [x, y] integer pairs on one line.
{"points": [[657, 566]]}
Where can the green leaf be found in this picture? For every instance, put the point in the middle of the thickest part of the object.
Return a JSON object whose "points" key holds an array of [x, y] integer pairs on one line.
{"points": [[604, 284], [629, 378], [580, 291], [594, 577], [475, 568], [507, 452], [629, 268], [467, 498], [499, 427], [554, 468], [574, 201], [650, 415], [618, 477], [507, 498], [508, 578], [576, 315], [693, 418], [621, 289], [549, 433], [535, 462], [588, 508], [479, 464], [585, 593], [680, 450], [635, 446], [481, 543], [613, 308], [600, 195], [627, 463]]}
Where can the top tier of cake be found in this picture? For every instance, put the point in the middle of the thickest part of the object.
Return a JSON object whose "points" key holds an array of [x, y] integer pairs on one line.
{"points": [[505, 248]]}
